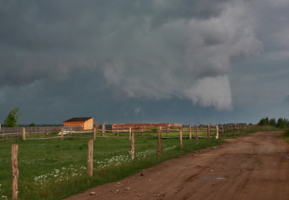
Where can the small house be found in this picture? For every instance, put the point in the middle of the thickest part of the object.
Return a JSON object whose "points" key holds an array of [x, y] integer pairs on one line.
{"points": [[85, 122]]}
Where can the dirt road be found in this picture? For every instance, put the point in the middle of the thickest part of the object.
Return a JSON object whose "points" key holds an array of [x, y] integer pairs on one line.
{"points": [[255, 167]]}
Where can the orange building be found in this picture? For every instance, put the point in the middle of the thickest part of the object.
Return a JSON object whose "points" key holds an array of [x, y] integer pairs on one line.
{"points": [[85, 122]]}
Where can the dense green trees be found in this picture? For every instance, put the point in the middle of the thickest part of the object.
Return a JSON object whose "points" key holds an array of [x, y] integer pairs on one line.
{"points": [[264, 121], [12, 118], [280, 123], [32, 125], [272, 122]]}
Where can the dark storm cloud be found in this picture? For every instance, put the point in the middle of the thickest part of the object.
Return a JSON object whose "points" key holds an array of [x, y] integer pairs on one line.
{"points": [[153, 49]]}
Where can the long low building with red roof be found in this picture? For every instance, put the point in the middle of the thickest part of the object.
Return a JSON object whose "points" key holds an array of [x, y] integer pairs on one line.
{"points": [[144, 126]]}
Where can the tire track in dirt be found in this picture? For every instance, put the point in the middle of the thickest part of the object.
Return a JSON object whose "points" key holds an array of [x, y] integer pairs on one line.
{"points": [[255, 166]]}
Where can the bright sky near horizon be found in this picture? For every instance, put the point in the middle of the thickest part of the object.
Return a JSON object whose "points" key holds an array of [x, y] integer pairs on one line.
{"points": [[178, 61]]}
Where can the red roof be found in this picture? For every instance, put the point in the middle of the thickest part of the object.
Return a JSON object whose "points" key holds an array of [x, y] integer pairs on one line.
{"points": [[78, 119]]}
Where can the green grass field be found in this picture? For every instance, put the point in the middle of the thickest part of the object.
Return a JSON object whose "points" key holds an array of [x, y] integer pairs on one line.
{"points": [[54, 169]]}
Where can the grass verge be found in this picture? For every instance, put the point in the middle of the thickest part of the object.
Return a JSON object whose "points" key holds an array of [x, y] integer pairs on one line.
{"points": [[251, 129]]}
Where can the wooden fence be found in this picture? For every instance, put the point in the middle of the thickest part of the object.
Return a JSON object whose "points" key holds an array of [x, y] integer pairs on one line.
{"points": [[192, 131], [44, 133], [13, 133]]}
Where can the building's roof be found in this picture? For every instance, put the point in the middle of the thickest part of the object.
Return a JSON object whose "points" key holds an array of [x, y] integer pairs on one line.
{"points": [[78, 119], [145, 124]]}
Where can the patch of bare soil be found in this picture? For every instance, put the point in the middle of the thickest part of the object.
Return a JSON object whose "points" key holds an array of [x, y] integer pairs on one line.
{"points": [[255, 166]]}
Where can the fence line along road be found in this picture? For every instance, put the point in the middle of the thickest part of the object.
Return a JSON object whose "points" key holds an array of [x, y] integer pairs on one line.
{"points": [[58, 132], [24, 132]]}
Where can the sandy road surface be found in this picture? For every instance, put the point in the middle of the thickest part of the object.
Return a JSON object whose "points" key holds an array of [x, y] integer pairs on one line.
{"points": [[255, 167]]}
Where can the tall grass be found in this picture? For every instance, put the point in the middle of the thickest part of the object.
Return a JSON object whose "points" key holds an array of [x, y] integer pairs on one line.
{"points": [[248, 130]]}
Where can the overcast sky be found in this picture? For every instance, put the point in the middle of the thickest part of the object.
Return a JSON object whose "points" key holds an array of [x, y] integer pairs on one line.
{"points": [[126, 61]]}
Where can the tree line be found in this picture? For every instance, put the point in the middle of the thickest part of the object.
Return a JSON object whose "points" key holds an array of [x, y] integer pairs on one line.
{"points": [[280, 123], [12, 120]]}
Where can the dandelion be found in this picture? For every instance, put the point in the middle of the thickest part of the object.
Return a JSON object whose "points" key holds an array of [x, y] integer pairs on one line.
{"points": [[4, 197], [66, 173], [59, 175]]}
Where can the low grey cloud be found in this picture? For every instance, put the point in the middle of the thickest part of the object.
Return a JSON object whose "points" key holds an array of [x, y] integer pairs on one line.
{"points": [[143, 49]]}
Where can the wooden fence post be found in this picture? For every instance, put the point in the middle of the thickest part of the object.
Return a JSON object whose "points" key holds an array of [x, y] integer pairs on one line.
{"points": [[103, 129], [208, 131], [160, 141], [96, 127], [90, 158], [210, 127], [129, 133], [181, 138], [190, 131], [217, 131], [94, 133], [17, 133], [167, 130], [23, 134], [62, 133], [15, 172], [196, 134], [132, 152]]}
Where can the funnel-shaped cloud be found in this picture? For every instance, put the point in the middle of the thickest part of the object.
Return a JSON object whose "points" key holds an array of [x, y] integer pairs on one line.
{"points": [[188, 58], [211, 91]]}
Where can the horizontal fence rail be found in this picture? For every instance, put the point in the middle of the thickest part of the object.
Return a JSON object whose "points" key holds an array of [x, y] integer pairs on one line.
{"points": [[43, 133], [58, 132]]}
